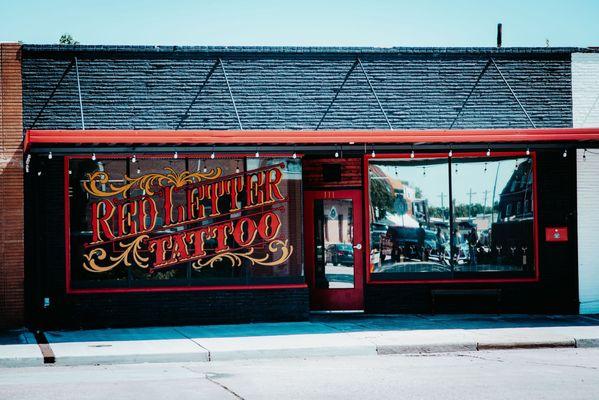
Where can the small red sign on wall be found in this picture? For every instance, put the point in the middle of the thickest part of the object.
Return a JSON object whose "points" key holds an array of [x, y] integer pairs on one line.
{"points": [[556, 234]]}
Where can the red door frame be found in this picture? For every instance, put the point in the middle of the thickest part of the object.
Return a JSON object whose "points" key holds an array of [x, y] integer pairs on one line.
{"points": [[334, 299]]}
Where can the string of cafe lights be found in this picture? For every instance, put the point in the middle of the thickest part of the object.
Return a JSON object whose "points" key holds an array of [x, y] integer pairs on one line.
{"points": [[338, 153]]}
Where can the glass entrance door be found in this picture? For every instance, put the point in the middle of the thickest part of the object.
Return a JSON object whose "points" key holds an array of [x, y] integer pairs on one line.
{"points": [[334, 256]]}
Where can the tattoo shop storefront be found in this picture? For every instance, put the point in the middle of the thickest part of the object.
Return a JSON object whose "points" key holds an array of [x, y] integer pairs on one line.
{"points": [[158, 227]]}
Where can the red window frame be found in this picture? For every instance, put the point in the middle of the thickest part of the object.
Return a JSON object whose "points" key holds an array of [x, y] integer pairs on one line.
{"points": [[455, 155], [67, 229]]}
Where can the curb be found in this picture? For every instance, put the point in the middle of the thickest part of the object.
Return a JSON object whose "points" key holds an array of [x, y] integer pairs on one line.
{"points": [[27, 355], [527, 345]]}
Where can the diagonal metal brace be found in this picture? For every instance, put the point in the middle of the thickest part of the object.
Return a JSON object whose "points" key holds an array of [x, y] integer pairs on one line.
{"points": [[374, 93], [186, 114], [482, 72], [230, 93], [513, 93], [64, 74], [354, 65]]}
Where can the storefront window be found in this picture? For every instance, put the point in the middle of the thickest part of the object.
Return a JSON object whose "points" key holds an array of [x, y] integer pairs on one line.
{"points": [[493, 230], [409, 211], [486, 231], [184, 222]]}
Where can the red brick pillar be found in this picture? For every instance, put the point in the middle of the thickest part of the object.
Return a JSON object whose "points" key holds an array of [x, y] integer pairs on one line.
{"points": [[11, 188]]}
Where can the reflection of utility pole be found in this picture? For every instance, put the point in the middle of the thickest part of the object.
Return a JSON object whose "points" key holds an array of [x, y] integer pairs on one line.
{"points": [[442, 196], [470, 193], [494, 191], [485, 202]]}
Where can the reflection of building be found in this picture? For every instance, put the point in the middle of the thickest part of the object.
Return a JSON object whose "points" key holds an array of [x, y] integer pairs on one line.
{"points": [[516, 198], [338, 223]]}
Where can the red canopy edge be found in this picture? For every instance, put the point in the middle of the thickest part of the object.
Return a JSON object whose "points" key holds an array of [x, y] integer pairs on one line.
{"points": [[287, 137]]}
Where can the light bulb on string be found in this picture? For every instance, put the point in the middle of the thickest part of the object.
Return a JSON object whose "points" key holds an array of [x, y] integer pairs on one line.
{"points": [[133, 159], [237, 167], [488, 152], [373, 154], [176, 155], [450, 154], [565, 154], [70, 172], [412, 154], [49, 155], [93, 156], [527, 151], [257, 155], [39, 173], [294, 153]]}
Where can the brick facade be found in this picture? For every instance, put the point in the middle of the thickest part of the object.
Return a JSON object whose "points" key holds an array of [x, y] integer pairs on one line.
{"points": [[11, 196]]}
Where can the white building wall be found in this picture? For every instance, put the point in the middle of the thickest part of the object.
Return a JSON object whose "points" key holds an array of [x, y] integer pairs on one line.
{"points": [[585, 113]]}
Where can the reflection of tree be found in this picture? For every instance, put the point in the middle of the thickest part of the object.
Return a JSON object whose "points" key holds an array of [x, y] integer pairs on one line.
{"points": [[381, 196], [438, 212], [461, 210]]}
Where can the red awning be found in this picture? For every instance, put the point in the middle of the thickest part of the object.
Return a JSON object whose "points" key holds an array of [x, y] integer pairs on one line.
{"points": [[287, 137]]}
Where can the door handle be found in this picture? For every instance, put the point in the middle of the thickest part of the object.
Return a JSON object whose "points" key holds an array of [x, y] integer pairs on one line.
{"points": [[358, 246]]}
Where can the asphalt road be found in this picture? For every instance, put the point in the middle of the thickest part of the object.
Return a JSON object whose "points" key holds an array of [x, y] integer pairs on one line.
{"points": [[514, 374]]}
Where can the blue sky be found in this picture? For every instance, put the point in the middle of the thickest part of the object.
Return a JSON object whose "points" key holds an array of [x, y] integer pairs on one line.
{"points": [[303, 23]]}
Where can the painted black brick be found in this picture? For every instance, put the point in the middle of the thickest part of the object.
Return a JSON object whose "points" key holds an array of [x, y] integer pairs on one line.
{"points": [[147, 88]]}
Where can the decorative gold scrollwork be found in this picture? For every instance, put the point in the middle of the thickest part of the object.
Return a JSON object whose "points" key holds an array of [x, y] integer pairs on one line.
{"points": [[276, 246], [130, 255], [98, 181]]}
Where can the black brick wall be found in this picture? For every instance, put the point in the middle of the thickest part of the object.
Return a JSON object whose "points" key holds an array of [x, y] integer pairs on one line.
{"points": [[286, 88]]}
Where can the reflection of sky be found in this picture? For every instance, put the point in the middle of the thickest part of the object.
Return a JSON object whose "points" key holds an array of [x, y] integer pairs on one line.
{"points": [[469, 176]]}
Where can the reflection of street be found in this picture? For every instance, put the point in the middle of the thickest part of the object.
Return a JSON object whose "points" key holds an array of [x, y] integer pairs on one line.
{"points": [[416, 266], [339, 277]]}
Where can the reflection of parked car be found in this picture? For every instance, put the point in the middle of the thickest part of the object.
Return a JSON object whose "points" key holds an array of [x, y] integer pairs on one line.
{"points": [[376, 232], [411, 243], [340, 254]]}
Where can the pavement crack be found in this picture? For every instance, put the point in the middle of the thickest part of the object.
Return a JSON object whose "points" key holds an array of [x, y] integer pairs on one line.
{"points": [[207, 376], [562, 365], [194, 342], [480, 357]]}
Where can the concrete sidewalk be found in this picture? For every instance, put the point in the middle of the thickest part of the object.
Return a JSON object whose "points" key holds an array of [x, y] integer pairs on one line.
{"points": [[323, 335]]}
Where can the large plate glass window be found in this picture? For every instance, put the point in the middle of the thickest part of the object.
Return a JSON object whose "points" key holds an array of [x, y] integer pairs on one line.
{"points": [[409, 211], [184, 222], [486, 230], [493, 209]]}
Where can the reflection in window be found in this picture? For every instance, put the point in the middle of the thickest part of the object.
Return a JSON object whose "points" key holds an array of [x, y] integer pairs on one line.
{"points": [[409, 230], [489, 230], [494, 231]]}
